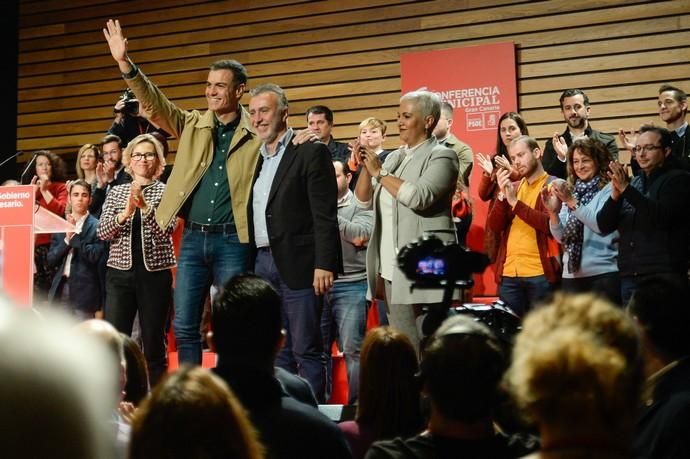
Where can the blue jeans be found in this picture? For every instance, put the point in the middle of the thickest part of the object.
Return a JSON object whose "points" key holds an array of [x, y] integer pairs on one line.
{"points": [[344, 318], [521, 293], [302, 353], [205, 259]]}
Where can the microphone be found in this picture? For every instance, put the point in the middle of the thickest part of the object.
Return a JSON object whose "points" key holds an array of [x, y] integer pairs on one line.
{"points": [[10, 158], [28, 166]]}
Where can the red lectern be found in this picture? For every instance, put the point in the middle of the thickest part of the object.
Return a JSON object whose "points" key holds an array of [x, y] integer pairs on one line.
{"points": [[20, 219]]}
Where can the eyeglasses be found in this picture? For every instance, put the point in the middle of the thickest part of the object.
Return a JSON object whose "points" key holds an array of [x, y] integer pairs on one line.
{"points": [[140, 156], [647, 148]]}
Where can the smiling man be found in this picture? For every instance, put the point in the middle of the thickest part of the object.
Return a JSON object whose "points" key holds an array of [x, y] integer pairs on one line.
{"points": [[295, 229], [576, 110], [209, 186], [673, 106], [650, 212]]}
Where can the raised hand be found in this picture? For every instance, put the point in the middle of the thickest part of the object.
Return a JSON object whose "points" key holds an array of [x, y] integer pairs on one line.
{"points": [[628, 139], [485, 163], [116, 40], [619, 179], [560, 146]]}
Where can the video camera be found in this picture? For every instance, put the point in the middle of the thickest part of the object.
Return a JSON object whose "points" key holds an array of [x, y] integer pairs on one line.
{"points": [[432, 264], [131, 103]]}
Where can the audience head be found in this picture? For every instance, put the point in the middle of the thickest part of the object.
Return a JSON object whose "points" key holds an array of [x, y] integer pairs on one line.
{"points": [[417, 116], [111, 147], [320, 122], [137, 386], [246, 315], [511, 125], [575, 108], [225, 85], [56, 391], [193, 414], [388, 389], [588, 158], [652, 147], [107, 335], [461, 369], [576, 369], [445, 121], [659, 306], [673, 104], [87, 159], [80, 196], [343, 176], [48, 164], [144, 157], [372, 133], [525, 155], [10, 182], [268, 110]]}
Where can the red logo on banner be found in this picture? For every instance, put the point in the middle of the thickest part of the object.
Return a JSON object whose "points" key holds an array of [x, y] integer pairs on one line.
{"points": [[480, 83]]}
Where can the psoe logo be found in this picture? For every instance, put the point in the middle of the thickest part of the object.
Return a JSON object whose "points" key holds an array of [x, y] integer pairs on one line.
{"points": [[482, 121]]}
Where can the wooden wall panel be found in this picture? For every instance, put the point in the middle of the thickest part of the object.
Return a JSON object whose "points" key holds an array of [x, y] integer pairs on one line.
{"points": [[343, 54]]}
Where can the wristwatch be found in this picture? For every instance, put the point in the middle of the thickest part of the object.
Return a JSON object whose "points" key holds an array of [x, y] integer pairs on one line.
{"points": [[382, 173]]}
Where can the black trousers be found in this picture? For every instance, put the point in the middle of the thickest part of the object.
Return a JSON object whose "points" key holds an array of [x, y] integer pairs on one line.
{"points": [[150, 293]]}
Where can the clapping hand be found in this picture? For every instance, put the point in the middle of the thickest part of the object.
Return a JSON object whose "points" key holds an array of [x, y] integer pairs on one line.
{"points": [[560, 146], [506, 186], [485, 163], [502, 162], [550, 200], [619, 179]]}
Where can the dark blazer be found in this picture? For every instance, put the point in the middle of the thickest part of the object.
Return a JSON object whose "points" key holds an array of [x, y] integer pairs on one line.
{"points": [[99, 194], [557, 168], [88, 253], [663, 424], [302, 214]]}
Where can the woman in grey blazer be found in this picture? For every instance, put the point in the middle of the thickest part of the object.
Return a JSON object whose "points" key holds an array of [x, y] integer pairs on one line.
{"points": [[411, 195]]}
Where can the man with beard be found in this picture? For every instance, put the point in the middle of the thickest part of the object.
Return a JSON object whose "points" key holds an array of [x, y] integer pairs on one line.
{"points": [[109, 173], [527, 263], [295, 230], [575, 108], [673, 106]]}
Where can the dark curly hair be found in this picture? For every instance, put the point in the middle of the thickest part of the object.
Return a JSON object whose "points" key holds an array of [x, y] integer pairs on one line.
{"points": [[57, 166], [595, 150]]}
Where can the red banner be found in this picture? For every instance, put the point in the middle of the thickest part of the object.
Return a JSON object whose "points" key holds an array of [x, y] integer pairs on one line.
{"points": [[480, 83]]}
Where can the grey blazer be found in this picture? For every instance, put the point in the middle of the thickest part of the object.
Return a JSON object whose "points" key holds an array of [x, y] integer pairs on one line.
{"points": [[433, 172]]}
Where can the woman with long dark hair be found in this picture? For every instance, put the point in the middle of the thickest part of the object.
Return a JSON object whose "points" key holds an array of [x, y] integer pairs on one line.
{"points": [[388, 404], [510, 126]]}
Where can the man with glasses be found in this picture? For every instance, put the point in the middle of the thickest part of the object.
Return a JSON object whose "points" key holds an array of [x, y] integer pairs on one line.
{"points": [[209, 186], [649, 212]]}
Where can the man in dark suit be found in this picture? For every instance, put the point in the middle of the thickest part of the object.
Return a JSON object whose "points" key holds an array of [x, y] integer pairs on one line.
{"points": [[79, 254], [659, 308], [295, 230]]}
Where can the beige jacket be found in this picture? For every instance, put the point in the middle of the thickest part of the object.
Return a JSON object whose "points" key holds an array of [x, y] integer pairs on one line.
{"points": [[195, 153]]}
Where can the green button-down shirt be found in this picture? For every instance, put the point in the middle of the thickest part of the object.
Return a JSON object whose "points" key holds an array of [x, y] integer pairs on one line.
{"points": [[211, 203]]}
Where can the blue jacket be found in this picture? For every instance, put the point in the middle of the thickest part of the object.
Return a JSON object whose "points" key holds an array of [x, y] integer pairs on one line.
{"points": [[88, 254]]}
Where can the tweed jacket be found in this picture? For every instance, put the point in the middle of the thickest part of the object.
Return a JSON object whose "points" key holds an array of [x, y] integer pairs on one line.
{"points": [[158, 245], [195, 154], [433, 172]]}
